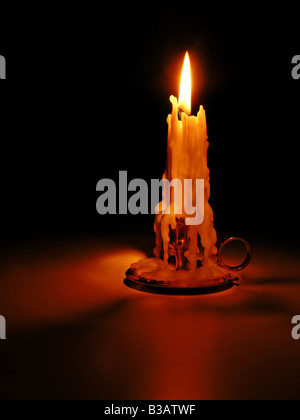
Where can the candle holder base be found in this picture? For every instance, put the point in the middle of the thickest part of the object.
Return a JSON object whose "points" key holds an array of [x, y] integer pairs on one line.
{"points": [[153, 276], [216, 285]]}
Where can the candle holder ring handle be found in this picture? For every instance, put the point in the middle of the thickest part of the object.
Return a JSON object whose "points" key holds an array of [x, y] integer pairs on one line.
{"points": [[247, 259]]}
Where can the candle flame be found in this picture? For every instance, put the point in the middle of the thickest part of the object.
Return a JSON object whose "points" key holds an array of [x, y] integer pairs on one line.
{"points": [[185, 96]]}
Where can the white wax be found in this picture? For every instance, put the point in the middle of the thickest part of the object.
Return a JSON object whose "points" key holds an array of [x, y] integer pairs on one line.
{"points": [[187, 159]]}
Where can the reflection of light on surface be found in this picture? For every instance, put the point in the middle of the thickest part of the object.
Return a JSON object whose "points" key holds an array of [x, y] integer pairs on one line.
{"points": [[56, 285], [111, 266], [126, 345], [121, 257]]}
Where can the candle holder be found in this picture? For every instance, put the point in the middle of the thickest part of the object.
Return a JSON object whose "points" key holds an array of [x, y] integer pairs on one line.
{"points": [[179, 244], [177, 279], [182, 270]]}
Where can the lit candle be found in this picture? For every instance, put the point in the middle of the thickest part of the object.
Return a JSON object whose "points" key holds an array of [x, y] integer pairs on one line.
{"points": [[185, 95], [187, 160]]}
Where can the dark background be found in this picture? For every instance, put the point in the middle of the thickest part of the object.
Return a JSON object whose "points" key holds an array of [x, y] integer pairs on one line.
{"points": [[87, 95]]}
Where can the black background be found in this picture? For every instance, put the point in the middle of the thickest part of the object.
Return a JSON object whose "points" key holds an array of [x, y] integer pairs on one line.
{"points": [[87, 95]]}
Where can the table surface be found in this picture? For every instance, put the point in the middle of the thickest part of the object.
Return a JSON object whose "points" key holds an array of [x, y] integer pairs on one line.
{"points": [[75, 331]]}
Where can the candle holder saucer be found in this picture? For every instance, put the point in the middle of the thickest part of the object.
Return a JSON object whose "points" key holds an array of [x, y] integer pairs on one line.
{"points": [[208, 285], [143, 284]]}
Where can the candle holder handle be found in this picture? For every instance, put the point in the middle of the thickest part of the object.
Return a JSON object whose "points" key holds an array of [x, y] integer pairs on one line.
{"points": [[247, 259]]}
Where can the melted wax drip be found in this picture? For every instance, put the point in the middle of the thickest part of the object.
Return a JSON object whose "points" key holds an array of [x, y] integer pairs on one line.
{"points": [[187, 159]]}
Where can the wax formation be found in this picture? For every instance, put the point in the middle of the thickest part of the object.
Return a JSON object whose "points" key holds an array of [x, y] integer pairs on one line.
{"points": [[186, 160]]}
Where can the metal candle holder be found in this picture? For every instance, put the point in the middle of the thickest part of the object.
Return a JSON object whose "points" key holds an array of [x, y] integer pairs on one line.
{"points": [[179, 244]]}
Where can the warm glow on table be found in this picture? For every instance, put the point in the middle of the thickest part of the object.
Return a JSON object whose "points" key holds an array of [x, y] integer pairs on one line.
{"points": [[75, 330]]}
